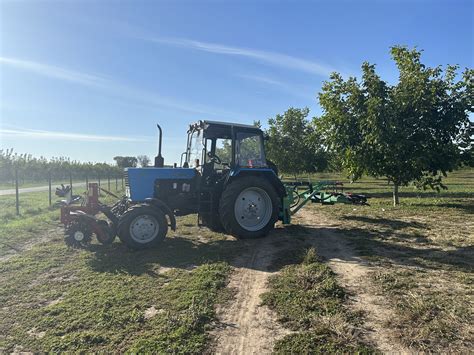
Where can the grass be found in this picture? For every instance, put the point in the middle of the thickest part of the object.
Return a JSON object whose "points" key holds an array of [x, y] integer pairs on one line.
{"points": [[79, 308], [422, 254], [108, 298], [111, 299], [18, 232], [308, 299], [56, 183]]}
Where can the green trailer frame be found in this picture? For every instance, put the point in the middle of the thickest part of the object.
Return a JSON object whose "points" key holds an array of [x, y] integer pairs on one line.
{"points": [[299, 193]]}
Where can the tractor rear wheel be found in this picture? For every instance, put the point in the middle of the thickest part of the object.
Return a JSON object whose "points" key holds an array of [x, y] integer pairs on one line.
{"points": [[249, 207], [142, 226]]}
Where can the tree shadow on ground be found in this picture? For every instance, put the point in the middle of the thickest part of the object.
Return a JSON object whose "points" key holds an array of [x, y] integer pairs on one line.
{"points": [[466, 206], [374, 246], [386, 222], [424, 194]]}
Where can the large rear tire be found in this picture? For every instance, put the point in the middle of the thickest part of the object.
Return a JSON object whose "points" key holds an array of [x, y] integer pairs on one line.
{"points": [[142, 226], [249, 207]]}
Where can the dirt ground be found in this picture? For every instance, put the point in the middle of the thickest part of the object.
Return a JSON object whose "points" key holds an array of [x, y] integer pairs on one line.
{"points": [[247, 327], [353, 274]]}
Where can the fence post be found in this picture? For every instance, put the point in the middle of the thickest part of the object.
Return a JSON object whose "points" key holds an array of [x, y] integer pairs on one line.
{"points": [[49, 188], [17, 194], [108, 182], [98, 178], [87, 182], [116, 183], [122, 183], [70, 182]]}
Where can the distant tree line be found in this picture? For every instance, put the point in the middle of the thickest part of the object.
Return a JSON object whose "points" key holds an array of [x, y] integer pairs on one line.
{"points": [[30, 168]]}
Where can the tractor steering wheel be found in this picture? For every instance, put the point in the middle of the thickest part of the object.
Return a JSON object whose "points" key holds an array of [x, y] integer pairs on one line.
{"points": [[214, 158]]}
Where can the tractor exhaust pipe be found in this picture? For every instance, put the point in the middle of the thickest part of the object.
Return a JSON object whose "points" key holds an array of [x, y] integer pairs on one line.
{"points": [[159, 161]]}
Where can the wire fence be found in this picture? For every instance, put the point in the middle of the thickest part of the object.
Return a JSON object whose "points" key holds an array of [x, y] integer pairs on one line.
{"points": [[21, 189]]}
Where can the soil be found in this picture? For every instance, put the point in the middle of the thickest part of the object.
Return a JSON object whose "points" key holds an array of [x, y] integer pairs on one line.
{"points": [[247, 327], [353, 275]]}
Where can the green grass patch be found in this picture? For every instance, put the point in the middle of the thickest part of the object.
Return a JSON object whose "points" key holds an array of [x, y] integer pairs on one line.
{"points": [[307, 299], [58, 299]]}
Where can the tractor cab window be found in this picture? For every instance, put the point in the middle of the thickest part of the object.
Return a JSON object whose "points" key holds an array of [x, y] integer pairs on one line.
{"points": [[249, 150], [223, 154], [195, 149]]}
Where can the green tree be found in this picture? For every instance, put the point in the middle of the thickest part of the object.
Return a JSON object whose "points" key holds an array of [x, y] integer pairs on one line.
{"points": [[144, 160], [126, 162], [291, 145], [416, 130]]}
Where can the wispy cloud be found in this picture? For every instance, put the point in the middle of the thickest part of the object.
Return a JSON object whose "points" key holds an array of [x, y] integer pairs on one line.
{"points": [[54, 71], [273, 58], [114, 88], [69, 136], [263, 79], [293, 90]]}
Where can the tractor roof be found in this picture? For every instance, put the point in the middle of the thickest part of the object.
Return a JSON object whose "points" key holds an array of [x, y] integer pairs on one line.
{"points": [[221, 129]]}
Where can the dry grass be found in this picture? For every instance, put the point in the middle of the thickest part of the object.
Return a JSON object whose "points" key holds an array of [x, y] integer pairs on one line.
{"points": [[423, 253]]}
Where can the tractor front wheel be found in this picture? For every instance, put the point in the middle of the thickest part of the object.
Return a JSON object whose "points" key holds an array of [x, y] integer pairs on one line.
{"points": [[142, 226], [249, 207]]}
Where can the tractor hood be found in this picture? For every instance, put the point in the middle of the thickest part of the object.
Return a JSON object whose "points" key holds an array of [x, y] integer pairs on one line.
{"points": [[140, 182]]}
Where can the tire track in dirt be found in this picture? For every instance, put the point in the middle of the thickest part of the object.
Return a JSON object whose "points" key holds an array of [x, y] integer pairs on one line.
{"points": [[247, 327], [353, 274]]}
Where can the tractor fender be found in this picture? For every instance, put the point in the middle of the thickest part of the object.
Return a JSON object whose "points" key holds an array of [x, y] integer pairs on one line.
{"points": [[267, 173], [166, 210]]}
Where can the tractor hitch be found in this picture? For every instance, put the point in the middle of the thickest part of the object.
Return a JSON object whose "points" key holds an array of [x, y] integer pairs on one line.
{"points": [[81, 222], [299, 193]]}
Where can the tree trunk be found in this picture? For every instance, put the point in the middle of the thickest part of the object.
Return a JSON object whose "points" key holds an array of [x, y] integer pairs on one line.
{"points": [[396, 201]]}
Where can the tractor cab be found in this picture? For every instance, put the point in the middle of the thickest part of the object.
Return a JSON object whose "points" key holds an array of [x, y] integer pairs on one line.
{"points": [[218, 148]]}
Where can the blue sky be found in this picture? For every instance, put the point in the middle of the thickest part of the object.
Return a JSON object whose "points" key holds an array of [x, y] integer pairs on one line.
{"points": [[89, 79]]}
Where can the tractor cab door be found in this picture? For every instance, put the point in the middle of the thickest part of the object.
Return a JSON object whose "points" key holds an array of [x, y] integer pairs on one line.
{"points": [[249, 150], [218, 158]]}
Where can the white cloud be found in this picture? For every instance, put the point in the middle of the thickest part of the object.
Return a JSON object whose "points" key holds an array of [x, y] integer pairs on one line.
{"points": [[54, 72], [40, 134], [282, 86], [273, 58], [263, 79], [115, 88]]}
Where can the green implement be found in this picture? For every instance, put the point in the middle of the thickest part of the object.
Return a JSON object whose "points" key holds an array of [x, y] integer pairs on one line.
{"points": [[299, 193]]}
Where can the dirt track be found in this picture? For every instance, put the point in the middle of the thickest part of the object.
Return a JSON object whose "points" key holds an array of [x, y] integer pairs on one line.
{"points": [[248, 328], [353, 273], [34, 189]]}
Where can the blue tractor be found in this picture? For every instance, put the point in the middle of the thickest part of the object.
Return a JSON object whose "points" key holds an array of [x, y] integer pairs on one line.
{"points": [[223, 177]]}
